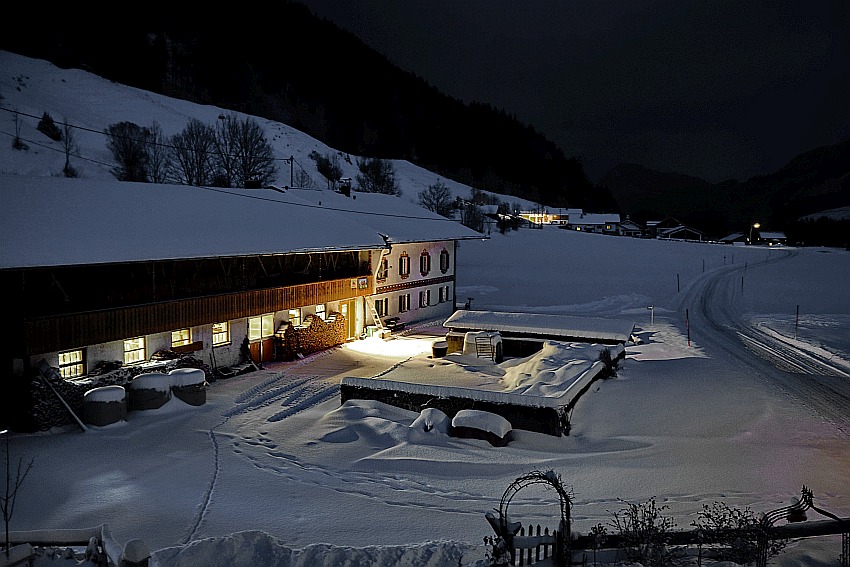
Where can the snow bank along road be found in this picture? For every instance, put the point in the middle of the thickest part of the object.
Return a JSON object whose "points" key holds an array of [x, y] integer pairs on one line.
{"points": [[714, 308]]}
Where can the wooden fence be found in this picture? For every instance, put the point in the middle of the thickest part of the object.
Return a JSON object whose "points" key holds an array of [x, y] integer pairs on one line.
{"points": [[530, 548]]}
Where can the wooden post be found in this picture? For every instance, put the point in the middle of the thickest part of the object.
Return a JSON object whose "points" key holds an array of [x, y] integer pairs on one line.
{"points": [[797, 321]]}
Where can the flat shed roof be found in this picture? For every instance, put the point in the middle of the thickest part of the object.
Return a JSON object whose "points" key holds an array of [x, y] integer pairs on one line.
{"points": [[539, 325]]}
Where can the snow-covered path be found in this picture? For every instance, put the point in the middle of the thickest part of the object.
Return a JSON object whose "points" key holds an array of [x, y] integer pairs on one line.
{"points": [[813, 378]]}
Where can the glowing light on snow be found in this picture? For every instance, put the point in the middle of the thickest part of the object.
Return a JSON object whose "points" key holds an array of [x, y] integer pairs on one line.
{"points": [[391, 347]]}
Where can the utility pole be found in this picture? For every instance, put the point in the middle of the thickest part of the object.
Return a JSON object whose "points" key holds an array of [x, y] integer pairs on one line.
{"points": [[291, 169]]}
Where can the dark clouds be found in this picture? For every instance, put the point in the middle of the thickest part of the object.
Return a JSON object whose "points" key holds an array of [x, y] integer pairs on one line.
{"points": [[717, 89]]}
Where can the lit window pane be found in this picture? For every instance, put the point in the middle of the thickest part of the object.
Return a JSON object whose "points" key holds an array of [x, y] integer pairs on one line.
{"points": [[255, 327], [180, 338], [134, 350], [72, 364], [221, 334], [268, 325]]}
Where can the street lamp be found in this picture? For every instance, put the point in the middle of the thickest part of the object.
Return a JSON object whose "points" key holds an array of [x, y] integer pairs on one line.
{"points": [[756, 226]]}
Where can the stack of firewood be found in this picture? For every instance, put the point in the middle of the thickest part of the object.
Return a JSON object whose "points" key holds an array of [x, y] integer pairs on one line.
{"points": [[314, 335]]}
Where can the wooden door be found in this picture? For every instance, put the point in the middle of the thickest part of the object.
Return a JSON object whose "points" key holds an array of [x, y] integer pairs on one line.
{"points": [[349, 311]]}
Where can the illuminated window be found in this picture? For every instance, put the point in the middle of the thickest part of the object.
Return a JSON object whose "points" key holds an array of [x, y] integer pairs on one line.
{"points": [[425, 298], [295, 316], [134, 350], [221, 334], [383, 269], [320, 311], [444, 261], [444, 294], [260, 327], [404, 265], [72, 363], [404, 302], [424, 263], [181, 337]]}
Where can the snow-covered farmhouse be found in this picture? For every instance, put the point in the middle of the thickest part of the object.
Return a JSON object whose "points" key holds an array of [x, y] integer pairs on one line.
{"points": [[602, 223], [100, 271]]}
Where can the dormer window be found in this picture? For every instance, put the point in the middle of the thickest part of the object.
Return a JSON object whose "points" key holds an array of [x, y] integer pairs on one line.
{"points": [[444, 261], [424, 263]]}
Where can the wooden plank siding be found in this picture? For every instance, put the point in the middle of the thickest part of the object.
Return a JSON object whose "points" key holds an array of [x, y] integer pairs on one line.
{"points": [[49, 334]]}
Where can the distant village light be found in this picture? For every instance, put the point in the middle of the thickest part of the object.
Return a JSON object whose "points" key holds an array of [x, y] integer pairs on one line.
{"points": [[756, 226]]}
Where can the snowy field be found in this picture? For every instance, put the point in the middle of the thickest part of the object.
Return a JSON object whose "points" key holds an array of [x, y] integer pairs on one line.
{"points": [[730, 396], [695, 415]]}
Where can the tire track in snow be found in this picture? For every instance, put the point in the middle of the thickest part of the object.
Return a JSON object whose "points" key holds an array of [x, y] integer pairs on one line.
{"points": [[810, 381]]}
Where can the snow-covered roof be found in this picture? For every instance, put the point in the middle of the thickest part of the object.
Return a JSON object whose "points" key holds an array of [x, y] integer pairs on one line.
{"points": [[53, 221], [840, 213], [593, 218], [399, 219], [566, 326], [772, 235]]}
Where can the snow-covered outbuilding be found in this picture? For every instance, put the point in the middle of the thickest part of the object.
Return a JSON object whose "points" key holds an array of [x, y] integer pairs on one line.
{"points": [[522, 333]]}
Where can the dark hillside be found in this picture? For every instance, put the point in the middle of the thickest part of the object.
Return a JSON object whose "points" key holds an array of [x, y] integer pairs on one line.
{"points": [[813, 181], [306, 72], [645, 194]]}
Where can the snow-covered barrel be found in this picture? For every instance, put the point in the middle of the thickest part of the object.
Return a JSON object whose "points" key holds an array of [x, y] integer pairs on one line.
{"points": [[150, 391], [439, 349], [189, 385], [105, 405]]}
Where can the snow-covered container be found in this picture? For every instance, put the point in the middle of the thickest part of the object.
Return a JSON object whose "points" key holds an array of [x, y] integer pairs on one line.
{"points": [[150, 391], [105, 405], [477, 424], [439, 349], [189, 385], [483, 344]]}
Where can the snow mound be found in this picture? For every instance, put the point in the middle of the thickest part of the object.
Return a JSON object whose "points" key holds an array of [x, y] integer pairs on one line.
{"points": [[482, 420], [252, 548], [431, 419]]}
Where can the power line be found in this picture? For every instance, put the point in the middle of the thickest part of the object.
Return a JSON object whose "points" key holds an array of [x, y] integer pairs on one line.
{"points": [[290, 160], [143, 141], [245, 195], [58, 150]]}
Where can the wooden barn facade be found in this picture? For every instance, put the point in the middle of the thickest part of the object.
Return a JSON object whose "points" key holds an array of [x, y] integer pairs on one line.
{"points": [[100, 273]]}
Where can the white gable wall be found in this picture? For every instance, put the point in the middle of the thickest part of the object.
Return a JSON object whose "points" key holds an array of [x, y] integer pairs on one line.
{"points": [[415, 282]]}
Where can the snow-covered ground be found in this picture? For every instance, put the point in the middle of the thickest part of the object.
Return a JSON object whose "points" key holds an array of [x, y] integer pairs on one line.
{"points": [[695, 415], [730, 396]]}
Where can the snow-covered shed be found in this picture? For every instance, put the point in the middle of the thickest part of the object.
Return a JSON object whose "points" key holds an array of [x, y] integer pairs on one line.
{"points": [[523, 333]]}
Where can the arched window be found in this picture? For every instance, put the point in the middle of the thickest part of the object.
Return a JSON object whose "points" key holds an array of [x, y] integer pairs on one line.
{"points": [[424, 263], [444, 261]]}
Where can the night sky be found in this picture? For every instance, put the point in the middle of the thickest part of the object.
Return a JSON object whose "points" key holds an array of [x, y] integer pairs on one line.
{"points": [[716, 89]]}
